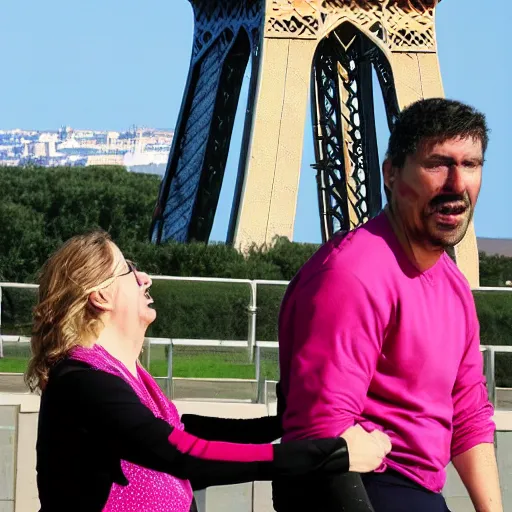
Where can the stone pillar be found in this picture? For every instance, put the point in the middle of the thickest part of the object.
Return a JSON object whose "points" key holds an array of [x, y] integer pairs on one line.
{"points": [[271, 177]]}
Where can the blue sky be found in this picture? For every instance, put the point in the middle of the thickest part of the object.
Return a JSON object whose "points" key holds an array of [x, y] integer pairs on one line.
{"points": [[109, 64]]}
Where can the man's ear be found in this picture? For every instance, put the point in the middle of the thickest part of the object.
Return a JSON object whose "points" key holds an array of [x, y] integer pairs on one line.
{"points": [[389, 173], [101, 300]]}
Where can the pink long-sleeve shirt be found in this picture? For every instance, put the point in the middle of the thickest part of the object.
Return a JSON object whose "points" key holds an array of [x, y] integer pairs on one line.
{"points": [[365, 338]]}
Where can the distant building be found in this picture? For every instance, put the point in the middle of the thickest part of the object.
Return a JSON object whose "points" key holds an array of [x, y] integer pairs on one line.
{"points": [[112, 138], [138, 149], [37, 149], [65, 132], [70, 143], [105, 160], [10, 162], [48, 137]]}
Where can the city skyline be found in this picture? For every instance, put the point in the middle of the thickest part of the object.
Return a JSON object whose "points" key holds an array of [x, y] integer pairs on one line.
{"points": [[80, 128], [139, 149]]}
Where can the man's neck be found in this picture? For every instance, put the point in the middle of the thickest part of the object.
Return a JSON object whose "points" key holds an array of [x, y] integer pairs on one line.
{"points": [[423, 258], [123, 348]]}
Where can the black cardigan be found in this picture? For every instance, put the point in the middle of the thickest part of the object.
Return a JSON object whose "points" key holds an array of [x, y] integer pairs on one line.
{"points": [[90, 420]]}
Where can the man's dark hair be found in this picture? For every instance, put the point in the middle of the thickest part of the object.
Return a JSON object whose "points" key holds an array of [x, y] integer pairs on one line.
{"points": [[437, 119]]}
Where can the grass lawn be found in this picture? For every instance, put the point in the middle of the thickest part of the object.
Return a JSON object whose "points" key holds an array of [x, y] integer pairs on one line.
{"points": [[214, 363], [13, 365]]}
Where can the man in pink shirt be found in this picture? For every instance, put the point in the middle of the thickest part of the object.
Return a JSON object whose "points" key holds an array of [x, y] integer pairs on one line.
{"points": [[379, 329]]}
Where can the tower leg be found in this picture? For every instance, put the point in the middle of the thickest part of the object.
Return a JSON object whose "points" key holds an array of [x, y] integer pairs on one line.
{"points": [[191, 148], [244, 150], [329, 144], [219, 138], [271, 178], [344, 130]]}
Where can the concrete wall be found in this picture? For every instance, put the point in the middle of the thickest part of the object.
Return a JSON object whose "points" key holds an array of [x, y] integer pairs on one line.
{"points": [[18, 430], [455, 492], [18, 433], [8, 419]]}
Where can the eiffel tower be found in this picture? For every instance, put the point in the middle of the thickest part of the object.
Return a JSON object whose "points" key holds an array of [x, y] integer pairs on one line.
{"points": [[324, 51]]}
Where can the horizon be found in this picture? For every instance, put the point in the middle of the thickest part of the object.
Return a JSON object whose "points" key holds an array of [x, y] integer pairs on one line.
{"points": [[83, 129]]}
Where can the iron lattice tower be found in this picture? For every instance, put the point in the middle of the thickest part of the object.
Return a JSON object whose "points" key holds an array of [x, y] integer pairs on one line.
{"points": [[324, 49]]}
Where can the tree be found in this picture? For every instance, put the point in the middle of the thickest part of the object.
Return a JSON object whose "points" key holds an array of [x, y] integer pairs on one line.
{"points": [[495, 270], [42, 207]]}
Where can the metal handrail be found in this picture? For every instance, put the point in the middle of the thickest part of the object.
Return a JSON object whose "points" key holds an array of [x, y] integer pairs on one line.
{"points": [[254, 346], [489, 352], [251, 307]]}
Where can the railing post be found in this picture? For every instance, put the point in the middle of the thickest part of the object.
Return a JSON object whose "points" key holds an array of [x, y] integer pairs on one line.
{"points": [[251, 309], [148, 356], [170, 388], [1, 339], [260, 381], [490, 375]]}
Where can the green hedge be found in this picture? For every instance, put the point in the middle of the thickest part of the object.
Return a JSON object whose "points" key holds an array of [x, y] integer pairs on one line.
{"points": [[45, 206], [495, 317], [194, 310]]}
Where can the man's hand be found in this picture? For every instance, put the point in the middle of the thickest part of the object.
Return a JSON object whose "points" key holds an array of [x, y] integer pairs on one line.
{"points": [[366, 450]]}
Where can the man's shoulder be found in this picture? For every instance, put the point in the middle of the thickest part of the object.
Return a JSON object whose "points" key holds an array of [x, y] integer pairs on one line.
{"points": [[360, 260], [365, 253], [360, 246]]}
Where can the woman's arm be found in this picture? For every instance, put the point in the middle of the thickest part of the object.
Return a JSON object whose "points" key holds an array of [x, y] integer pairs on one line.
{"points": [[108, 407], [255, 430], [229, 463]]}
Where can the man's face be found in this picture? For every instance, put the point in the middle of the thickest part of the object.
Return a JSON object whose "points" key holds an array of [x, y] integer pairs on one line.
{"points": [[435, 192]]}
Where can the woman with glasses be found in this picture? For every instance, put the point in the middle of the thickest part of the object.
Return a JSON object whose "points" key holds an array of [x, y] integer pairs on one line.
{"points": [[108, 438]]}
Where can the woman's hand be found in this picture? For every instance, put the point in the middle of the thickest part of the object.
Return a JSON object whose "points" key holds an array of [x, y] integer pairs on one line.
{"points": [[366, 451]]}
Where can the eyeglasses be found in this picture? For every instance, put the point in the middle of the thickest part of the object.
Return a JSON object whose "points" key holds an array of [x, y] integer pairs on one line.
{"points": [[110, 280], [131, 268]]}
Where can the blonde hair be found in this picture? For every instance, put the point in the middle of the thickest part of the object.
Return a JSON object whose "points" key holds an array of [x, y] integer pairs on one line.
{"points": [[63, 316]]}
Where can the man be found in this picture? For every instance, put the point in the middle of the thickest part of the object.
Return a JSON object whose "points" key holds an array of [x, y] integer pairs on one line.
{"points": [[379, 329]]}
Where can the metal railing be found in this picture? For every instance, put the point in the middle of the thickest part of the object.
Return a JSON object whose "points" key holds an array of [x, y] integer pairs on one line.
{"points": [[252, 344], [10, 285], [489, 354], [251, 307]]}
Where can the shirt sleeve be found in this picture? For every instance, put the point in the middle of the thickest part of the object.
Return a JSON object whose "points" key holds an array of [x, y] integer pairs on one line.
{"points": [[254, 430], [108, 407], [472, 411], [337, 338]]}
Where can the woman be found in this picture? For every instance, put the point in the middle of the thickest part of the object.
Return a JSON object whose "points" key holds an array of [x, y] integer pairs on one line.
{"points": [[108, 438]]}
